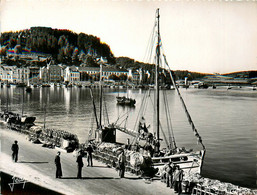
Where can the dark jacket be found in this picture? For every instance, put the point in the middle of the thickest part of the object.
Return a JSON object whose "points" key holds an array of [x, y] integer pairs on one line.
{"points": [[80, 161], [57, 160], [15, 148], [89, 150]]}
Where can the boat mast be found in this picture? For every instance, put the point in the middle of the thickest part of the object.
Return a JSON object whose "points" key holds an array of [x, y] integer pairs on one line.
{"points": [[7, 96], [22, 108], [157, 83], [101, 96], [45, 117]]}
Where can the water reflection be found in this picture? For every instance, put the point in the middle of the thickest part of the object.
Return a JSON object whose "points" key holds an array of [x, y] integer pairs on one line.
{"points": [[225, 119]]}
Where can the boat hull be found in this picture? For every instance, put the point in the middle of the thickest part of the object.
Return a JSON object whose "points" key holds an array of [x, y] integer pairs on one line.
{"points": [[189, 162]]}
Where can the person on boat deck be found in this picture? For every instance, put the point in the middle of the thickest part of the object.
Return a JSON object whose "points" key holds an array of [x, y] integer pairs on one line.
{"points": [[121, 162], [58, 165], [141, 123], [89, 150], [80, 165], [150, 138], [142, 129], [149, 149], [177, 179], [15, 150]]}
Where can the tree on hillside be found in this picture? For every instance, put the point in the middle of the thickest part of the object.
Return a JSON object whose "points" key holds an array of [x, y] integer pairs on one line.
{"points": [[125, 62], [61, 56], [17, 49], [62, 42], [90, 61], [75, 54], [3, 52]]}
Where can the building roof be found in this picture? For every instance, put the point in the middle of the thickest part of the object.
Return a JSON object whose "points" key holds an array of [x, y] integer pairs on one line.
{"points": [[106, 69]]}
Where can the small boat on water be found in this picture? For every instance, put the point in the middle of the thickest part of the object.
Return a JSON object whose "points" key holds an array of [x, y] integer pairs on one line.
{"points": [[125, 101], [28, 89], [203, 86], [45, 85], [21, 85]]}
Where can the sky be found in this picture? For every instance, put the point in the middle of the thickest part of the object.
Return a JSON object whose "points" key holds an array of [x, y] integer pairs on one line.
{"points": [[214, 36]]}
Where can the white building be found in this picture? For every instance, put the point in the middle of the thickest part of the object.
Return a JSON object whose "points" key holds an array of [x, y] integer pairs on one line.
{"points": [[13, 74], [71, 74]]}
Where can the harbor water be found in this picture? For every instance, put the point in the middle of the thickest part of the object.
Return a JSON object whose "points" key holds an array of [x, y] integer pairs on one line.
{"points": [[225, 119]]}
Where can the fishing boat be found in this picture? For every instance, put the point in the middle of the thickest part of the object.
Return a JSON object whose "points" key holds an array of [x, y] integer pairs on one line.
{"points": [[125, 101], [187, 160], [148, 144], [20, 122]]}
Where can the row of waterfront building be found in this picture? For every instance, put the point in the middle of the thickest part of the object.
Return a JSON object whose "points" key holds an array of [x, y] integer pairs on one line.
{"points": [[61, 73]]}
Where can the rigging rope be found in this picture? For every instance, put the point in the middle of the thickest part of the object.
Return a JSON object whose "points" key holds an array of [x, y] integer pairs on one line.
{"points": [[184, 105], [169, 124], [106, 113], [140, 113]]}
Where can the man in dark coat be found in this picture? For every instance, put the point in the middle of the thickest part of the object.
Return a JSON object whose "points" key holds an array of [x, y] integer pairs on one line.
{"points": [[122, 161], [89, 150], [58, 165], [80, 165], [15, 149]]}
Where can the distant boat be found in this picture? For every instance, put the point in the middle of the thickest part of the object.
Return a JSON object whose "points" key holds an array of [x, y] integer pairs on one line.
{"points": [[202, 86], [46, 85], [28, 89], [125, 101], [21, 85]]}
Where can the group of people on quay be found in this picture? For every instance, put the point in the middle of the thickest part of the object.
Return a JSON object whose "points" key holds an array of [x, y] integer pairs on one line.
{"points": [[173, 177], [79, 162]]}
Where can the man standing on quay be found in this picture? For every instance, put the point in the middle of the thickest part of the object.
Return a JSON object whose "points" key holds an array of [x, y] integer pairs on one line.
{"points": [[80, 165], [89, 150], [15, 149], [121, 162], [58, 165]]}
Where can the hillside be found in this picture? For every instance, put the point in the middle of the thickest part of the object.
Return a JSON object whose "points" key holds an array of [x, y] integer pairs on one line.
{"points": [[62, 45]]}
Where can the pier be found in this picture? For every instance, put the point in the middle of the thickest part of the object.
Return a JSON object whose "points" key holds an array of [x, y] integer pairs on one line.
{"points": [[36, 165]]}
